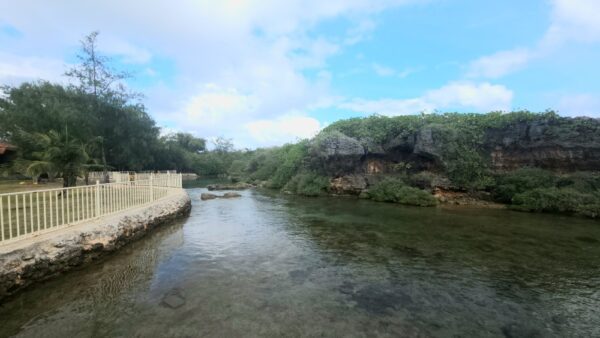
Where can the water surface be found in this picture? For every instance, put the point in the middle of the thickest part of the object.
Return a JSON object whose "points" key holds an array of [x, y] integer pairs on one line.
{"points": [[273, 265]]}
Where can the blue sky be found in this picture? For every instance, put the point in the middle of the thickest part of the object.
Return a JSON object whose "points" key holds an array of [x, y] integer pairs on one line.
{"points": [[268, 72]]}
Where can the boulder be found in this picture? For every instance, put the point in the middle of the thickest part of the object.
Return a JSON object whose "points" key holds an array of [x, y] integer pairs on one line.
{"points": [[337, 144], [235, 186], [207, 196]]}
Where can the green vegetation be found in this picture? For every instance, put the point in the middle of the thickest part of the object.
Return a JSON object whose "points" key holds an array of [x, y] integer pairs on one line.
{"points": [[455, 145], [396, 191], [307, 184], [95, 123], [92, 124], [538, 190]]}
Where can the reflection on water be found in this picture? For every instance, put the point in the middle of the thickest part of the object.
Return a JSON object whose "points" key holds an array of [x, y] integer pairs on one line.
{"points": [[272, 265]]}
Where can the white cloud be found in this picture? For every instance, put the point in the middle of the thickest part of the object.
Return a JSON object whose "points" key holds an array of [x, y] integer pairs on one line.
{"points": [[580, 105], [383, 70], [128, 52], [255, 52], [482, 97], [283, 129], [499, 64], [574, 20], [216, 106], [571, 20], [16, 69], [389, 107]]}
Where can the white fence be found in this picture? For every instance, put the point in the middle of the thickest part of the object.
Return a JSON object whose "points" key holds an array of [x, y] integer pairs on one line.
{"points": [[25, 214]]}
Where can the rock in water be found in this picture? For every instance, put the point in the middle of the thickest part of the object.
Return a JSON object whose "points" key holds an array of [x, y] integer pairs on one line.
{"points": [[236, 186], [173, 300], [231, 195], [206, 196]]}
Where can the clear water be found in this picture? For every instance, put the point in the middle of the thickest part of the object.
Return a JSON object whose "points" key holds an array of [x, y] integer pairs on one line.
{"points": [[274, 265]]}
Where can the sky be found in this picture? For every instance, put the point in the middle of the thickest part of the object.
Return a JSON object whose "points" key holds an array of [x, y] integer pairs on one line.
{"points": [[267, 72]]}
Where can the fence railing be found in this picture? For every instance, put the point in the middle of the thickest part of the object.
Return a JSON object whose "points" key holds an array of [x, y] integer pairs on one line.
{"points": [[25, 214]]}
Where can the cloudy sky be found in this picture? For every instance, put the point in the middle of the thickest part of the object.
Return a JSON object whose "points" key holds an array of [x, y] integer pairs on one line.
{"points": [[267, 72]]}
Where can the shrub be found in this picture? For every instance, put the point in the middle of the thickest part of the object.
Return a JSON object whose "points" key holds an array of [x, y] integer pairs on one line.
{"points": [[396, 191], [307, 184], [520, 181], [564, 200], [581, 181], [423, 179]]}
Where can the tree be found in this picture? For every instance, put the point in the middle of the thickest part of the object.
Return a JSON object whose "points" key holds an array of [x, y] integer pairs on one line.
{"points": [[58, 153], [189, 142], [94, 74], [223, 145], [95, 77]]}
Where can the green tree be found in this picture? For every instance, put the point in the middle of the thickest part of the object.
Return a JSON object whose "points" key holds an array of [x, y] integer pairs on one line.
{"points": [[58, 153], [95, 76]]}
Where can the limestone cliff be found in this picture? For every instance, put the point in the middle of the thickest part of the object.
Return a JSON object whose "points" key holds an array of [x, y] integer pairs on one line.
{"points": [[559, 144]]}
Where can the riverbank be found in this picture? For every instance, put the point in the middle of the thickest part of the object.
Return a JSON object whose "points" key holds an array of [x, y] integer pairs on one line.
{"points": [[28, 261]]}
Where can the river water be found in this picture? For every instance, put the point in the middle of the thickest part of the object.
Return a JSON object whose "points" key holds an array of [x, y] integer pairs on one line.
{"points": [[273, 265]]}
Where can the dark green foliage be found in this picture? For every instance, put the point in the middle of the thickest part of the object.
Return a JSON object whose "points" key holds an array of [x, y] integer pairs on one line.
{"points": [[383, 129], [423, 179], [307, 184], [521, 180], [534, 189], [396, 191], [563, 200]]}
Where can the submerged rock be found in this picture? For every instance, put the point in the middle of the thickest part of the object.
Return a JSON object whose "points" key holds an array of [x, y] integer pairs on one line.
{"points": [[236, 186], [207, 196], [231, 195], [173, 300]]}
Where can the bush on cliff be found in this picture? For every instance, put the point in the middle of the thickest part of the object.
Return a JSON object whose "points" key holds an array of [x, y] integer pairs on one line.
{"points": [[396, 191], [307, 184]]}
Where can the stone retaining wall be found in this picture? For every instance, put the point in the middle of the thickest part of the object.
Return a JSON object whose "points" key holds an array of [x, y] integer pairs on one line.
{"points": [[39, 258]]}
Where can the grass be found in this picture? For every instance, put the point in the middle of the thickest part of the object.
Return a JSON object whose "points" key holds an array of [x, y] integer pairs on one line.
{"points": [[38, 211], [8, 186]]}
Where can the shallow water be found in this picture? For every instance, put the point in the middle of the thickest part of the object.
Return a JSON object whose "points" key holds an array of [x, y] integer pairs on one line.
{"points": [[273, 265]]}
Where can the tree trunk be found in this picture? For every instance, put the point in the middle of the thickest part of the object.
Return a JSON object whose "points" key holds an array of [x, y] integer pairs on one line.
{"points": [[69, 180], [105, 177]]}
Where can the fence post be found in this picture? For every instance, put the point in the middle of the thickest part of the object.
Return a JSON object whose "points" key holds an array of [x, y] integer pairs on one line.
{"points": [[97, 198], [151, 187]]}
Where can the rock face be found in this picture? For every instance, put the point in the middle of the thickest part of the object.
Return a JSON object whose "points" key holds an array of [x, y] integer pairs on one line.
{"points": [[348, 185], [549, 145], [31, 260], [562, 145]]}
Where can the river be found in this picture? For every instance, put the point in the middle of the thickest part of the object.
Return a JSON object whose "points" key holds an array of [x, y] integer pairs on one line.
{"points": [[274, 265]]}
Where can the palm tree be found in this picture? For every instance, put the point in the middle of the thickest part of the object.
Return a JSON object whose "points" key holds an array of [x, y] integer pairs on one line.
{"points": [[59, 154]]}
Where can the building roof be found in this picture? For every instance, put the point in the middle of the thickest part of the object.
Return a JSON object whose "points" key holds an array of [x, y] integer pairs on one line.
{"points": [[4, 147]]}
